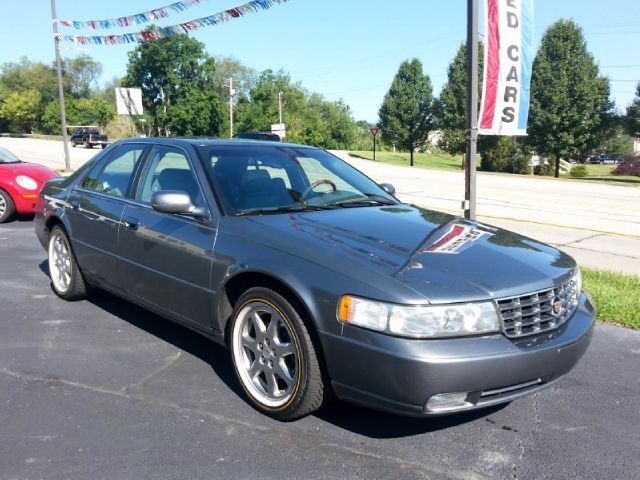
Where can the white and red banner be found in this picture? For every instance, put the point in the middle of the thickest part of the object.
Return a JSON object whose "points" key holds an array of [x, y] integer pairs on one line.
{"points": [[508, 58]]}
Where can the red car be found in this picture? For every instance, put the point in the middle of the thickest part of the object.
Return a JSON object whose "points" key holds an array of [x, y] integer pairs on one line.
{"points": [[20, 184]]}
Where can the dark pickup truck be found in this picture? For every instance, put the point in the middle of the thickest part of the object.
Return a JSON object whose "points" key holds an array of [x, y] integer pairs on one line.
{"points": [[89, 137]]}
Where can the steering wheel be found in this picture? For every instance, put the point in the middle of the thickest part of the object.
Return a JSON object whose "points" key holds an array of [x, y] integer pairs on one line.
{"points": [[323, 181]]}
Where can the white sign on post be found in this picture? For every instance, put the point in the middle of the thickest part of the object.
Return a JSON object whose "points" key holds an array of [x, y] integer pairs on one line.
{"points": [[279, 129], [129, 101]]}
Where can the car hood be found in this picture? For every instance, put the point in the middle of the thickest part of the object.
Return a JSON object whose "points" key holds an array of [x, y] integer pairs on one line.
{"points": [[40, 173], [442, 257]]}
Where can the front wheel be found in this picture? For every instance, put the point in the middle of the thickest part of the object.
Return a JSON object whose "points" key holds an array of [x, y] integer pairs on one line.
{"points": [[274, 357], [7, 207], [66, 278]]}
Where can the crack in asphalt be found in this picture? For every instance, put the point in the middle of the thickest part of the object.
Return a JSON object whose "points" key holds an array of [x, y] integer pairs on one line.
{"points": [[140, 385], [620, 255], [521, 443], [588, 237], [293, 439]]}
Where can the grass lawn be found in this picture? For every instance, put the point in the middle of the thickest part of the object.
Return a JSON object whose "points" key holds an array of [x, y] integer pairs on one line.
{"points": [[617, 296], [439, 161]]}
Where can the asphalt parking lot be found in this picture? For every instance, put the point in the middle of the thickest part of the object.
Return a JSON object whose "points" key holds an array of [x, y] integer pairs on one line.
{"points": [[103, 389]]}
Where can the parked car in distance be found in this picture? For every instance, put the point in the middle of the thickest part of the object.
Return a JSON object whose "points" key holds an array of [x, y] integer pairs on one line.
{"points": [[89, 137], [603, 160], [316, 278], [20, 184]]}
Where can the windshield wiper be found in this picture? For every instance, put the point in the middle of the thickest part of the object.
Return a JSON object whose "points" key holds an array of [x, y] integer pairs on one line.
{"points": [[283, 209], [370, 201]]}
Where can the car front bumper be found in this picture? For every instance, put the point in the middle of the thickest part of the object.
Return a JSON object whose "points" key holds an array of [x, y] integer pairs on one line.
{"points": [[400, 375]]}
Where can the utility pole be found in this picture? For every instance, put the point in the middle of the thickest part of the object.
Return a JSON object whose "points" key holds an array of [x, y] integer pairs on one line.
{"points": [[232, 92], [63, 117], [280, 107], [472, 110]]}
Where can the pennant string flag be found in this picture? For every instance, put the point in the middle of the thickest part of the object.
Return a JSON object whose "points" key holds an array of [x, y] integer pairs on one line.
{"points": [[137, 19], [186, 27]]}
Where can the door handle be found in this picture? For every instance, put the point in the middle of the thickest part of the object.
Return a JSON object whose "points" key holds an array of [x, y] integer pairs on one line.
{"points": [[131, 223]]}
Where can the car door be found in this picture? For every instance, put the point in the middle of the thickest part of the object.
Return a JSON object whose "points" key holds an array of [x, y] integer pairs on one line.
{"points": [[168, 257], [94, 208]]}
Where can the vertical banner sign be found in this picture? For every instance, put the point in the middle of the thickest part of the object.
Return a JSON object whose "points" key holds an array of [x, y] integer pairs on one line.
{"points": [[508, 58]]}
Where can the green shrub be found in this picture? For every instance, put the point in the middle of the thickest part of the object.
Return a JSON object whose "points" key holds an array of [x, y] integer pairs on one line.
{"points": [[504, 154], [579, 171]]}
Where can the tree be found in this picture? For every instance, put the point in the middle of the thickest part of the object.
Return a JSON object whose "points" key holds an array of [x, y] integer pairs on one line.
{"points": [[258, 110], [26, 75], [21, 109], [406, 114], [569, 99], [82, 111], [505, 154], [82, 72], [176, 76], [633, 114], [451, 106]]}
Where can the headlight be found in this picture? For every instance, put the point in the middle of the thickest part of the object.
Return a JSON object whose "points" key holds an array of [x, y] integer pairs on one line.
{"points": [[27, 183], [577, 278], [429, 321]]}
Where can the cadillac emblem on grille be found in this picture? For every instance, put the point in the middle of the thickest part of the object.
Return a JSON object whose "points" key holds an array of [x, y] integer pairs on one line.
{"points": [[540, 311]]}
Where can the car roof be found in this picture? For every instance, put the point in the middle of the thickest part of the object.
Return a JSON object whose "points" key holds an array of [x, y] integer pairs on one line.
{"points": [[194, 141]]}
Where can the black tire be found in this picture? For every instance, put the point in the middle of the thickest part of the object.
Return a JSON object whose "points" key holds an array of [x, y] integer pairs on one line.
{"points": [[75, 288], [104, 145], [7, 207], [73, 143], [307, 386]]}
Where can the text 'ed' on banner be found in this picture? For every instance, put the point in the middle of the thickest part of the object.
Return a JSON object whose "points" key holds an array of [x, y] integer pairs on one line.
{"points": [[507, 67]]}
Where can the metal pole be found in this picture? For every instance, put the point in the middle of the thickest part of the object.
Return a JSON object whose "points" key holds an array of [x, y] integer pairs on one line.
{"points": [[374, 148], [63, 116], [472, 110], [280, 107], [230, 107]]}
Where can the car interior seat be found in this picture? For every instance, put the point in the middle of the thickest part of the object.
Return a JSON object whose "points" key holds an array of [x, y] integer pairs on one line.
{"points": [[178, 179]]}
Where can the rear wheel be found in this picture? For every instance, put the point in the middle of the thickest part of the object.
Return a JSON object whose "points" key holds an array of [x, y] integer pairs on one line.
{"points": [[7, 207], [66, 278], [274, 357]]}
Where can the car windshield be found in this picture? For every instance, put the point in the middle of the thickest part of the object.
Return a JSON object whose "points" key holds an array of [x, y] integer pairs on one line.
{"points": [[7, 157], [264, 179]]}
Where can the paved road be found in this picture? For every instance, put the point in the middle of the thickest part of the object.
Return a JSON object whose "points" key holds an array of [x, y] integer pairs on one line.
{"points": [[598, 224], [102, 389]]}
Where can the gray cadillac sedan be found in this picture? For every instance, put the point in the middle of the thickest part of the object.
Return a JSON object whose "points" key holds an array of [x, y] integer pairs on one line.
{"points": [[317, 279]]}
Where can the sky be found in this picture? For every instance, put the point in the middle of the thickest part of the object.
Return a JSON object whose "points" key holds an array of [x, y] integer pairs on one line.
{"points": [[342, 49]]}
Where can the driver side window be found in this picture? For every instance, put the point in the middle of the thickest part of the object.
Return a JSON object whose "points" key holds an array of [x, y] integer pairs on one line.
{"points": [[169, 169]]}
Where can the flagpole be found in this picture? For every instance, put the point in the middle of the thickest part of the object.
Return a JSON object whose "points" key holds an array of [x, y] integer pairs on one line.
{"points": [[472, 110], [63, 117]]}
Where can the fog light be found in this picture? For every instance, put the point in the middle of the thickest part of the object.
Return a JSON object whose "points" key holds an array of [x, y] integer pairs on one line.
{"points": [[443, 402]]}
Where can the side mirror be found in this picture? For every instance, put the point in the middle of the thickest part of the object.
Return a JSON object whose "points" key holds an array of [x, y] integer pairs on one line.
{"points": [[387, 187], [177, 202]]}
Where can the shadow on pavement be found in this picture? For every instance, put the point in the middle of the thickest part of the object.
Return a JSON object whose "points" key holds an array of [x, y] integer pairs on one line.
{"points": [[379, 425], [354, 418]]}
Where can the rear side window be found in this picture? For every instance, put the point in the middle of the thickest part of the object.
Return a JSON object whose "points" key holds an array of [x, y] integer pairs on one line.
{"points": [[116, 175]]}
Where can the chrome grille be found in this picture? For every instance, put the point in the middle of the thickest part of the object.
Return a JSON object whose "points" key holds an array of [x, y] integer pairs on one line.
{"points": [[533, 313]]}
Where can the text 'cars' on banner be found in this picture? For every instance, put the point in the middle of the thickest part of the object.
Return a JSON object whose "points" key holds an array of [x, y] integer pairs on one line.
{"points": [[508, 60]]}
